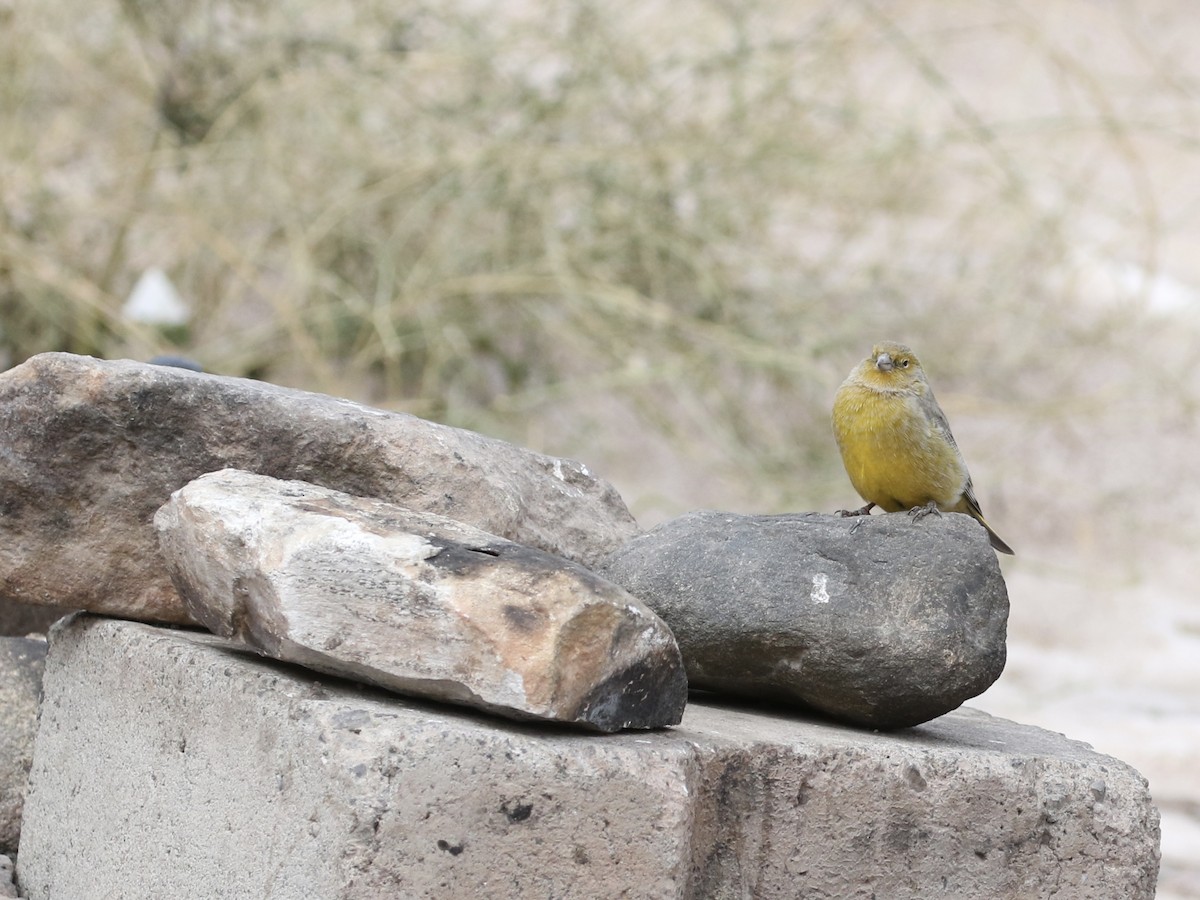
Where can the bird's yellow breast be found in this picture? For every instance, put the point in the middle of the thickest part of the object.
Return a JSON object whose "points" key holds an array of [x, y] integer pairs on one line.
{"points": [[895, 455]]}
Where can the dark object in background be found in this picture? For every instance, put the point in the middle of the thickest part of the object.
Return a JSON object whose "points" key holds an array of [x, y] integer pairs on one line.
{"points": [[178, 362]]}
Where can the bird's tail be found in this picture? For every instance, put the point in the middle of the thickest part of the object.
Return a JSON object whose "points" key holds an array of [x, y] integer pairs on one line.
{"points": [[973, 510], [997, 541]]}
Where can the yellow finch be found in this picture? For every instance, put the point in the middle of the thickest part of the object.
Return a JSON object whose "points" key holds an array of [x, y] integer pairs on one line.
{"points": [[896, 443]]}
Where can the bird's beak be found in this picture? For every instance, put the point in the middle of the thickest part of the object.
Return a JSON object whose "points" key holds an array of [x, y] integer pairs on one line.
{"points": [[883, 362]]}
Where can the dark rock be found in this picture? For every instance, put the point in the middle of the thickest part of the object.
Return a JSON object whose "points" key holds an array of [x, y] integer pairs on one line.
{"points": [[20, 619], [879, 621], [90, 449], [179, 362], [417, 603]]}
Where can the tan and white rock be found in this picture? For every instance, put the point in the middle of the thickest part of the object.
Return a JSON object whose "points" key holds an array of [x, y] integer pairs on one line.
{"points": [[90, 449], [416, 603]]}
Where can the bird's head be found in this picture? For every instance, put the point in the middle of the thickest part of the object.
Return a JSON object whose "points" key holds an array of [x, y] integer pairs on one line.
{"points": [[891, 366]]}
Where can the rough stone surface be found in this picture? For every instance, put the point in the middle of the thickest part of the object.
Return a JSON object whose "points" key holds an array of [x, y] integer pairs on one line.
{"points": [[21, 664], [239, 777], [416, 603], [878, 621], [90, 449], [7, 888]]}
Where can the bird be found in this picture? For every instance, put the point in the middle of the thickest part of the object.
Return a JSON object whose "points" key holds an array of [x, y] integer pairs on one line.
{"points": [[896, 444]]}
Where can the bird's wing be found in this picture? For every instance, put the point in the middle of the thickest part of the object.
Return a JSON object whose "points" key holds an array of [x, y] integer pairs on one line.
{"points": [[936, 417], [972, 502]]}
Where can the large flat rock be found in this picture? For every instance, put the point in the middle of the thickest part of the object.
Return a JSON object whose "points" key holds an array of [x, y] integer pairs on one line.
{"points": [[90, 449], [169, 764]]}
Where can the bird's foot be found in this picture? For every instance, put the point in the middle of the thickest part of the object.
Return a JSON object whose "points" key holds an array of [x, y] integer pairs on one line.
{"points": [[917, 513], [865, 511]]}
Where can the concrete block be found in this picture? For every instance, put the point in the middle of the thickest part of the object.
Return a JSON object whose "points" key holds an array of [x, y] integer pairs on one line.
{"points": [[169, 764]]}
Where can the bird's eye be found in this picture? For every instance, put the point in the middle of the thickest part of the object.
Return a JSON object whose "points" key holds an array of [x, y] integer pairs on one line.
{"points": [[904, 363]]}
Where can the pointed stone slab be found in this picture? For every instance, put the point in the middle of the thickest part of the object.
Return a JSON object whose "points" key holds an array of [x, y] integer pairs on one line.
{"points": [[417, 603], [879, 621], [90, 449]]}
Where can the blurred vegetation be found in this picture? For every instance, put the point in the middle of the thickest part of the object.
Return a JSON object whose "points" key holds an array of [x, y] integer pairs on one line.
{"points": [[651, 235]]}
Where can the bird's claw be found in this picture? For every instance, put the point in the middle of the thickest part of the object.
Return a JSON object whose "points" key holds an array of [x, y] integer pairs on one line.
{"points": [[917, 513], [865, 511]]}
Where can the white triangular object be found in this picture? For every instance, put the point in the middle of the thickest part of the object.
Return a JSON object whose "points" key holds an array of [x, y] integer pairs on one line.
{"points": [[154, 301]]}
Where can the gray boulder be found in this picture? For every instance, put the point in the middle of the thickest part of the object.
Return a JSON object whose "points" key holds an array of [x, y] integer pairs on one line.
{"points": [[416, 603], [879, 621], [22, 662], [90, 449]]}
